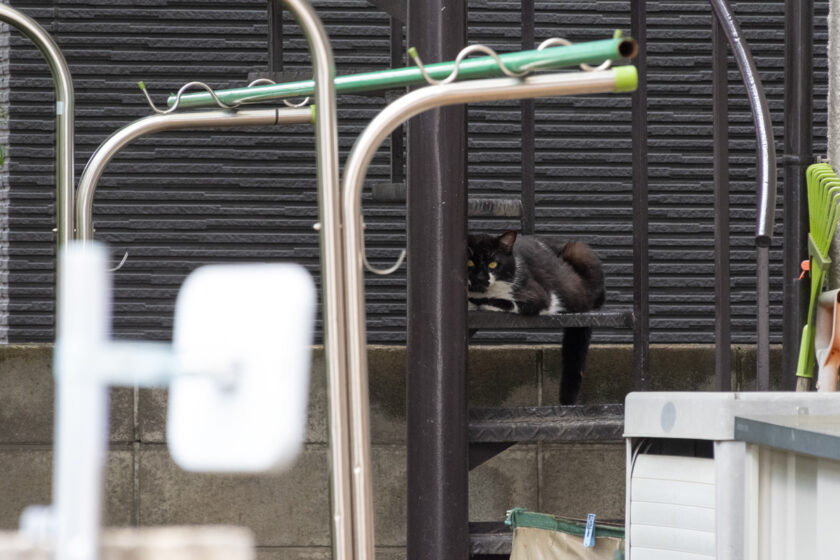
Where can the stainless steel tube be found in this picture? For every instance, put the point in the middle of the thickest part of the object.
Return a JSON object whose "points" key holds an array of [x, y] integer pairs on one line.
{"points": [[360, 157], [64, 112], [332, 273], [765, 180], [765, 146], [159, 123]]}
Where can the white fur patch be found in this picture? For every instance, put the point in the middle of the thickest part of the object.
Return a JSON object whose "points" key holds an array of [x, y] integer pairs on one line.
{"points": [[499, 290], [555, 307]]}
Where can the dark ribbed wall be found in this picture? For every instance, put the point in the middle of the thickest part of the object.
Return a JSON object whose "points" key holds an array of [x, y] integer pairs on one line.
{"points": [[182, 199], [4, 185]]}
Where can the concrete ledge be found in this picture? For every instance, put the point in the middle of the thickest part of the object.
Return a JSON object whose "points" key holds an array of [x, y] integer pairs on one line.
{"points": [[171, 543], [27, 398], [289, 512]]}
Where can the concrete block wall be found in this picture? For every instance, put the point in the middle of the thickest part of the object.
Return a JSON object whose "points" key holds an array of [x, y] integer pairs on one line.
{"points": [[289, 512]]}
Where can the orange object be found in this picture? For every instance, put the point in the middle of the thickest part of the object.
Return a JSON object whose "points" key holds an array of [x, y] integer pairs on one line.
{"points": [[806, 267]]}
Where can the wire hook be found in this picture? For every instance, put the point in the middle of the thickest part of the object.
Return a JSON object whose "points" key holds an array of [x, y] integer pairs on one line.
{"points": [[286, 102], [181, 91], [383, 271], [412, 52], [554, 41], [380, 271], [122, 262]]}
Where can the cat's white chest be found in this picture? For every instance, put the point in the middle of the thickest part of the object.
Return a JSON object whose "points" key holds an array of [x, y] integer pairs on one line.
{"points": [[499, 290]]}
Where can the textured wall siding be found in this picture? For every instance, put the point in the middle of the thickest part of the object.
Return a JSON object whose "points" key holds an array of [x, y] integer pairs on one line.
{"points": [[4, 185], [182, 199]]}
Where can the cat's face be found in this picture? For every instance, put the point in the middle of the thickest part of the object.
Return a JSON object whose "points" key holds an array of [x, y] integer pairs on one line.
{"points": [[490, 260]]}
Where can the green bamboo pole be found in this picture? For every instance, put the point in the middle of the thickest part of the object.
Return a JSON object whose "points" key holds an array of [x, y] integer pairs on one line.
{"points": [[591, 52]]}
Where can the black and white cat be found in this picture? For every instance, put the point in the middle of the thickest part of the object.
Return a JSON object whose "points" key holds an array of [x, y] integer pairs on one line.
{"points": [[538, 275]]}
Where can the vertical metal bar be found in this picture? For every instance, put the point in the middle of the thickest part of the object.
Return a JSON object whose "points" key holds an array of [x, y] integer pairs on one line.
{"points": [[641, 309], [81, 438], [275, 36], [437, 309], [762, 360], [720, 119], [398, 136], [332, 274], [64, 117], [799, 82], [528, 194]]}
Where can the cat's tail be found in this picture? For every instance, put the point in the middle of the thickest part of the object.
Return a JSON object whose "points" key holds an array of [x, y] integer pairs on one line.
{"points": [[583, 259], [575, 349]]}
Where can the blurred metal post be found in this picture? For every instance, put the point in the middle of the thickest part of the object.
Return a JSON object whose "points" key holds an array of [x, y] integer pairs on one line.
{"points": [[436, 403], [799, 91], [720, 120]]}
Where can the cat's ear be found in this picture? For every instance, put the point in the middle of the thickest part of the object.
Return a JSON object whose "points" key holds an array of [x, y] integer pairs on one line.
{"points": [[506, 241], [471, 241]]}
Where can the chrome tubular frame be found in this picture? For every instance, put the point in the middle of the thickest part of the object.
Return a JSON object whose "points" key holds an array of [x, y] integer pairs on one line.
{"points": [[64, 112], [355, 171], [332, 257]]}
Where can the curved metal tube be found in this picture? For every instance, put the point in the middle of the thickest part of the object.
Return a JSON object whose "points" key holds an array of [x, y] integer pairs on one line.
{"points": [[360, 157], [765, 181], [765, 146], [332, 274], [159, 123], [64, 113]]}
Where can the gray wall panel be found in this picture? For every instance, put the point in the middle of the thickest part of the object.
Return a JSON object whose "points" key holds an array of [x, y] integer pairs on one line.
{"points": [[182, 199]]}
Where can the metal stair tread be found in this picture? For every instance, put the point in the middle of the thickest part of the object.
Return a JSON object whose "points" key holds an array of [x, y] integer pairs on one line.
{"points": [[615, 318], [589, 422], [384, 191], [490, 538]]}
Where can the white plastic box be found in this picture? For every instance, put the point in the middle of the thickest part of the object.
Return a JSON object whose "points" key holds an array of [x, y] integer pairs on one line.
{"points": [[771, 490]]}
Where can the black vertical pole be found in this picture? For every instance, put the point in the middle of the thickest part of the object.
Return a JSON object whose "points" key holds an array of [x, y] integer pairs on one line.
{"points": [[437, 309], [641, 310], [275, 36], [528, 132], [799, 30], [720, 119], [397, 143]]}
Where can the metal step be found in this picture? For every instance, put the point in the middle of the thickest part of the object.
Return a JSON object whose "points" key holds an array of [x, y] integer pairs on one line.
{"points": [[576, 423], [494, 320], [394, 8], [476, 207], [490, 539], [388, 192]]}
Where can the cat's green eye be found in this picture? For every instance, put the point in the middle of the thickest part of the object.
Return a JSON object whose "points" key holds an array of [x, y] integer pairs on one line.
{"points": [[470, 264], [492, 265]]}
